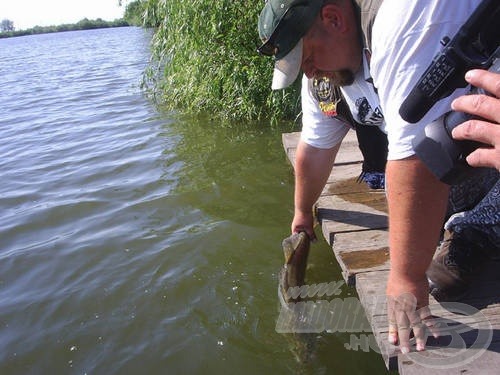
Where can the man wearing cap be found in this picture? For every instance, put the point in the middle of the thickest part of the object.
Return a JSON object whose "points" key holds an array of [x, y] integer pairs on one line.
{"points": [[326, 118], [397, 39]]}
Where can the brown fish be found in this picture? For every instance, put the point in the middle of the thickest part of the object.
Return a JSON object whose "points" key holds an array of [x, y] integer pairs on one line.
{"points": [[296, 250], [292, 274]]}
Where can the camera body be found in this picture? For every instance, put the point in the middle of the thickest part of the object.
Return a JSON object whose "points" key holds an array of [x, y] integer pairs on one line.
{"points": [[475, 46], [442, 154]]}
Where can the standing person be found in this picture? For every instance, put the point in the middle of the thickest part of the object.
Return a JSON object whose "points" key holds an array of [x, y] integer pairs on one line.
{"points": [[327, 39]]}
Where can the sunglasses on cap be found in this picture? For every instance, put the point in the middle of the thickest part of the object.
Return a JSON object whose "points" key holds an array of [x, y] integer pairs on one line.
{"points": [[292, 26]]}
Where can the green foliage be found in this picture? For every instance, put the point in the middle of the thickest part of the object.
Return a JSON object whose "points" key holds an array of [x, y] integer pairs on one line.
{"points": [[134, 12], [154, 12], [205, 51], [83, 24], [6, 25]]}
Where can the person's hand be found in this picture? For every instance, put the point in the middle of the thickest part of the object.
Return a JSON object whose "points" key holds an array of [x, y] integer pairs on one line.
{"points": [[483, 131], [304, 222], [407, 311]]}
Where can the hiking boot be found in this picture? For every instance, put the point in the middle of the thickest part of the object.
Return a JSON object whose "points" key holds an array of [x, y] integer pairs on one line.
{"points": [[456, 263]]}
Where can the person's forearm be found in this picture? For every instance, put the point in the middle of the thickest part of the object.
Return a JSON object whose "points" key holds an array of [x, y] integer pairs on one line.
{"points": [[417, 204], [312, 168]]}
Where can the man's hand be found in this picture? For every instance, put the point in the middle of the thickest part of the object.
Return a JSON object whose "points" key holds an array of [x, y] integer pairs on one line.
{"points": [[409, 311], [304, 222], [482, 131], [417, 203]]}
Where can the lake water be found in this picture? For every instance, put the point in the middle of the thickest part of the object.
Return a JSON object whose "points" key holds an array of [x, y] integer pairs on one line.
{"points": [[139, 241]]}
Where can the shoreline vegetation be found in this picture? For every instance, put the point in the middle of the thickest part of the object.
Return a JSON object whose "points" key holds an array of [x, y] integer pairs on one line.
{"points": [[84, 24], [205, 61]]}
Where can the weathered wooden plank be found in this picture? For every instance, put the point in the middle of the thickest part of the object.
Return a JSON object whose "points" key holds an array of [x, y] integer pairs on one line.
{"points": [[337, 215], [346, 169], [363, 251], [354, 222], [290, 140], [359, 241], [470, 348], [484, 362], [371, 290], [348, 153], [343, 179], [358, 193]]}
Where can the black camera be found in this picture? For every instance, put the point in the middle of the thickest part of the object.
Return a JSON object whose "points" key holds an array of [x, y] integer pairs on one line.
{"points": [[475, 46], [443, 155]]}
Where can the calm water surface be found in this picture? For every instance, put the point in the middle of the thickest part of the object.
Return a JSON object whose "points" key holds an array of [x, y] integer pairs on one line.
{"points": [[137, 241]]}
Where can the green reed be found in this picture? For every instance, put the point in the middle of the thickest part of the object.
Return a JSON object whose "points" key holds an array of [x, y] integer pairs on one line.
{"points": [[205, 61]]}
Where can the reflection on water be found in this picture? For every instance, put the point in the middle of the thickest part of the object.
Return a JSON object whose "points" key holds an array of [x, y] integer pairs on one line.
{"points": [[136, 241], [234, 172]]}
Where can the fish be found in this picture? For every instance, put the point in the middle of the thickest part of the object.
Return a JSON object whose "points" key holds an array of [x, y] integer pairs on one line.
{"points": [[296, 251]]}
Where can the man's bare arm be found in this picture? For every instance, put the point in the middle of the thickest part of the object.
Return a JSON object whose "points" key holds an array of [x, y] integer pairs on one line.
{"points": [[417, 204], [312, 168]]}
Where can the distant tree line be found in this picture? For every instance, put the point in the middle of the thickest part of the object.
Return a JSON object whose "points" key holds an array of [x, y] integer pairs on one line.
{"points": [[84, 24], [6, 25]]}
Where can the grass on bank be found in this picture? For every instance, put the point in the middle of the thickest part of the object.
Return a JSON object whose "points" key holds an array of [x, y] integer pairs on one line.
{"points": [[205, 61]]}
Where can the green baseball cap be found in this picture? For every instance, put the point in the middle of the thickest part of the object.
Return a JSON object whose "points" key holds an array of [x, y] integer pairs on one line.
{"points": [[282, 24]]}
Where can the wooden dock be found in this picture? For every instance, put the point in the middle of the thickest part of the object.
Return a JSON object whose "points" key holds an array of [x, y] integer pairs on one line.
{"points": [[353, 220]]}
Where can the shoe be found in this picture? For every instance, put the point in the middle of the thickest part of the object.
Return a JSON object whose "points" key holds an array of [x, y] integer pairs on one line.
{"points": [[456, 263], [374, 180]]}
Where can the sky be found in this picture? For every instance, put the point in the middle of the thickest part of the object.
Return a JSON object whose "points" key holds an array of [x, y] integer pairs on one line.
{"points": [[28, 13]]}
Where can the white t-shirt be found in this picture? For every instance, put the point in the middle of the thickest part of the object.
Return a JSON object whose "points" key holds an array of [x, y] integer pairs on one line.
{"points": [[325, 131], [405, 38], [318, 129], [362, 99]]}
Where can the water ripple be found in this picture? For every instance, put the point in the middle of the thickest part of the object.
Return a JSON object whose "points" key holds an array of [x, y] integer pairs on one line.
{"points": [[131, 241]]}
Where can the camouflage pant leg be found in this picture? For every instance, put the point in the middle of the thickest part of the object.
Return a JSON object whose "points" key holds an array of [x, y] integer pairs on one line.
{"points": [[476, 203]]}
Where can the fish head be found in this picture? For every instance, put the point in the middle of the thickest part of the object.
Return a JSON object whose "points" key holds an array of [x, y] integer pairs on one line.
{"points": [[296, 242]]}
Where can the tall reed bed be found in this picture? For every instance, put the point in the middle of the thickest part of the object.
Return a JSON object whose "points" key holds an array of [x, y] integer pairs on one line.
{"points": [[206, 60]]}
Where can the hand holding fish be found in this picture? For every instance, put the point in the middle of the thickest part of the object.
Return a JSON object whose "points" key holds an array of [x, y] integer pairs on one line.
{"points": [[303, 222]]}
